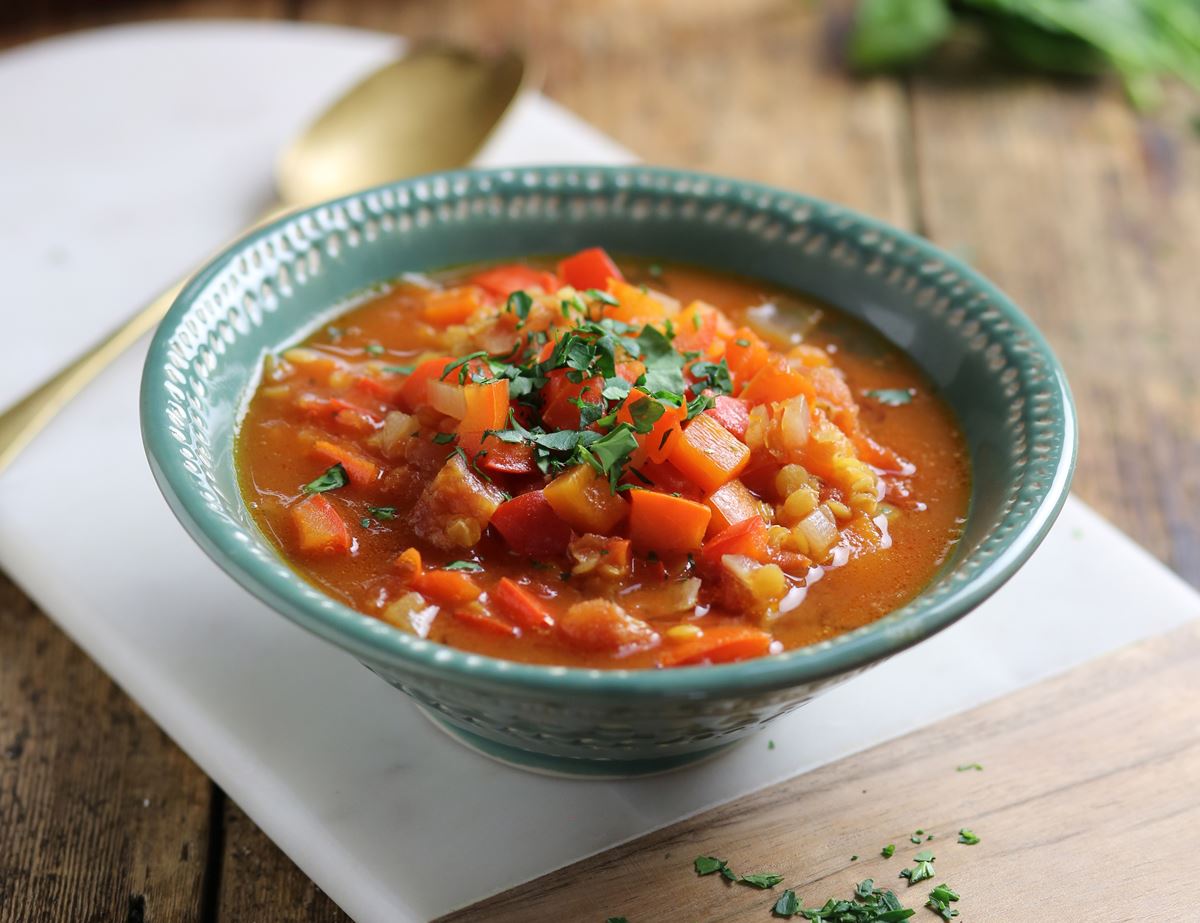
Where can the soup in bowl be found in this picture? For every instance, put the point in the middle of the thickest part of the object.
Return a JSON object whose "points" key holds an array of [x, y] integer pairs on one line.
{"points": [[605, 467]]}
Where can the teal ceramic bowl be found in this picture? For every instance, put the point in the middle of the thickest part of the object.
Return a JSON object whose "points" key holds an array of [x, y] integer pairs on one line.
{"points": [[280, 282]]}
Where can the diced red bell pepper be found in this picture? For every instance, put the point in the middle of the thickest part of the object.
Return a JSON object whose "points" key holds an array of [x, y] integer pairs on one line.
{"points": [[502, 281], [731, 413], [590, 268], [748, 537], [530, 526], [319, 528], [559, 394]]}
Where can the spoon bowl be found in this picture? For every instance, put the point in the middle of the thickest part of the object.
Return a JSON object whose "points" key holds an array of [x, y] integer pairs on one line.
{"points": [[427, 111]]}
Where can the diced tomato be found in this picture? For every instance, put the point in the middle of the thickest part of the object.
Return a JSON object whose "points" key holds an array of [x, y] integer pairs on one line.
{"points": [[502, 457], [530, 526], [520, 605], [748, 537], [731, 413], [502, 281], [695, 328], [590, 268], [413, 394], [319, 528], [559, 410]]}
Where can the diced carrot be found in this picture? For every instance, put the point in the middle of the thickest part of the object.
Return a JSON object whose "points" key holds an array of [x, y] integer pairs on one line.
{"points": [[451, 306], [810, 355], [520, 606], [360, 470], [485, 622], [584, 499], [319, 528], [708, 455], [745, 354], [655, 445], [559, 394], [530, 526], [719, 644], [776, 381], [732, 413], [590, 268], [487, 406], [633, 305], [748, 537], [730, 503], [502, 281], [663, 524], [408, 565], [413, 394], [448, 587]]}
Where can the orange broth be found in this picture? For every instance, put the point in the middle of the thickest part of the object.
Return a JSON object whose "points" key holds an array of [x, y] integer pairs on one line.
{"points": [[350, 375]]}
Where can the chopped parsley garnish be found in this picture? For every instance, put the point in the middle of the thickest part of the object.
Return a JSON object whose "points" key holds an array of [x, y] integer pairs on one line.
{"points": [[967, 767], [444, 438], [374, 349], [940, 899], [762, 881], [888, 851], [469, 567], [770, 745], [854, 858], [382, 512], [520, 304], [788, 904], [922, 870], [969, 837], [603, 297], [365, 523], [742, 342], [891, 397], [706, 865], [332, 479], [399, 369]]}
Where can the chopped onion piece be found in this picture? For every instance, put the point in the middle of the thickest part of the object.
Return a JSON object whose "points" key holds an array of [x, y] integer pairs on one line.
{"points": [[793, 424], [820, 531], [397, 429], [447, 398]]}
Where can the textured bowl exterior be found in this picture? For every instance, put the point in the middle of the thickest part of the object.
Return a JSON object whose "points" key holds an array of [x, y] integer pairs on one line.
{"points": [[280, 282]]}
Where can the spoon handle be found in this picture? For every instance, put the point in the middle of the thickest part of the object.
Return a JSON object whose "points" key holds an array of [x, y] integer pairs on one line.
{"points": [[25, 419]]}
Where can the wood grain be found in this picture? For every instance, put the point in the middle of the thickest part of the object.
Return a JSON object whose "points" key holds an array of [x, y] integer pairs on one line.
{"points": [[258, 882], [1086, 805], [101, 816], [1088, 217]]}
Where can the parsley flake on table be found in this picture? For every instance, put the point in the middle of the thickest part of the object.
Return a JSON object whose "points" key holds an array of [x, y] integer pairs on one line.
{"points": [[706, 865], [788, 904], [616, 920], [332, 479], [940, 899], [888, 851], [762, 880], [968, 837], [922, 870], [967, 767]]}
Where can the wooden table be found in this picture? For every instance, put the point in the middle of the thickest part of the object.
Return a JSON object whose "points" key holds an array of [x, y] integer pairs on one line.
{"points": [[1085, 213]]}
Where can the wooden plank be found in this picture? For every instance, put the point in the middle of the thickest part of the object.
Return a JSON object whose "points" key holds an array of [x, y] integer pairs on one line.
{"points": [[258, 882], [101, 816], [1087, 800], [744, 89], [1088, 217]]}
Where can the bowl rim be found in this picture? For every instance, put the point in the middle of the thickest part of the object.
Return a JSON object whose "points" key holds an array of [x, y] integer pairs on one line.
{"points": [[374, 641]]}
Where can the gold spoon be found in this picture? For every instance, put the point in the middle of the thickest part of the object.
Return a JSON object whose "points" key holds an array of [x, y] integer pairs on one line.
{"points": [[430, 110]]}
